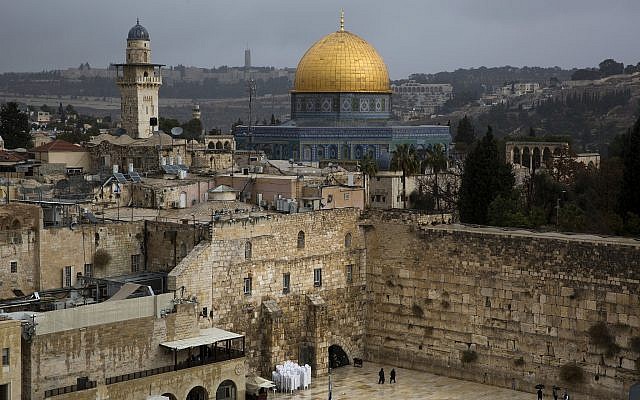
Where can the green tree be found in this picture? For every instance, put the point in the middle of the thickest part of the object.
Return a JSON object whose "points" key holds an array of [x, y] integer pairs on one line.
{"points": [[192, 129], [14, 126], [405, 159], [369, 168], [166, 124], [45, 108], [485, 176], [466, 133], [630, 194], [437, 161]]}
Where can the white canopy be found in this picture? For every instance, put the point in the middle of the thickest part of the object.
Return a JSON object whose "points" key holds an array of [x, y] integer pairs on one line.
{"points": [[206, 336], [255, 383]]}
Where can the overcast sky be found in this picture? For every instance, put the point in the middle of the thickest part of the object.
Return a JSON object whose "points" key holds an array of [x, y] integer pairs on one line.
{"points": [[411, 35]]}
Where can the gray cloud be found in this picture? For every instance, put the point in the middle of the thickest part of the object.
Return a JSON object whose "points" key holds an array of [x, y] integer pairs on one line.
{"points": [[411, 35]]}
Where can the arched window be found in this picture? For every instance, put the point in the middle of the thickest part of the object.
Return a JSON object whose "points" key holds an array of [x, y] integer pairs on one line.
{"points": [[347, 240], [301, 240], [248, 247], [211, 146]]}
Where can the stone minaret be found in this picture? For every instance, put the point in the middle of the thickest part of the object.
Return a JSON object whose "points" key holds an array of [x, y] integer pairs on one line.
{"points": [[139, 81]]}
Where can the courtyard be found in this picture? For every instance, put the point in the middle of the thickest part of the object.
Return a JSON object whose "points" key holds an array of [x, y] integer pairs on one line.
{"points": [[362, 384]]}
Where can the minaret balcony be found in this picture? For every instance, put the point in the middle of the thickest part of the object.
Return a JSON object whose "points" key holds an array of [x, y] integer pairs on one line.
{"points": [[144, 80]]}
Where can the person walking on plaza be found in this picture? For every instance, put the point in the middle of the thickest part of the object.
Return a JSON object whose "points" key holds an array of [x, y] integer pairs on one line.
{"points": [[555, 393], [539, 394], [566, 395], [392, 376], [381, 376]]}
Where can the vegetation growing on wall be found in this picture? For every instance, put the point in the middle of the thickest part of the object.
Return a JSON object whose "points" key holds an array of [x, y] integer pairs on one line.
{"points": [[571, 373], [469, 356], [101, 258], [602, 338]]}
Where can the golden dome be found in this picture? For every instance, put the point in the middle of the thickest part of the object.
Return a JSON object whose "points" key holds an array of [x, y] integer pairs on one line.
{"points": [[341, 62]]}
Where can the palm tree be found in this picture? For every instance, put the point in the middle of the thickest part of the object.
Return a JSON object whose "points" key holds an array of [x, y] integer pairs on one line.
{"points": [[405, 159], [369, 168], [437, 161]]}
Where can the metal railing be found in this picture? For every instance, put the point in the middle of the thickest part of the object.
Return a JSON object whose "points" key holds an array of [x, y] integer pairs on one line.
{"points": [[220, 356], [70, 389]]}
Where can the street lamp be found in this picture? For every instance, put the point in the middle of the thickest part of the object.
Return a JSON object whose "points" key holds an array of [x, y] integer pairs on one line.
{"points": [[562, 197]]}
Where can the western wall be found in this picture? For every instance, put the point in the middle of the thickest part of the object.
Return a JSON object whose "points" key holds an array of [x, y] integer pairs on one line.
{"points": [[507, 308]]}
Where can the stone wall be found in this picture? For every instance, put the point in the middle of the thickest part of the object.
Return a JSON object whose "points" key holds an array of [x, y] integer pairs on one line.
{"points": [[57, 359], [60, 247], [521, 302], [168, 243], [19, 230], [176, 383], [10, 334], [302, 323]]}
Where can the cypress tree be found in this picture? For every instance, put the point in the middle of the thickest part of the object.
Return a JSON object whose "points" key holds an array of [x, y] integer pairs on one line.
{"points": [[630, 193], [485, 176]]}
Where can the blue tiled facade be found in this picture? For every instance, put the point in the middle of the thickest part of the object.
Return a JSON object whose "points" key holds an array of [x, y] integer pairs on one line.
{"points": [[315, 143]]}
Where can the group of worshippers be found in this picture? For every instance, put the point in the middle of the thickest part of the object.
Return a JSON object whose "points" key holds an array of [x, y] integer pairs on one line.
{"points": [[392, 376]]}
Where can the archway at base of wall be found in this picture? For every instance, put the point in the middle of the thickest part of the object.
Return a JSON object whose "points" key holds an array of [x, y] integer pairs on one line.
{"points": [[227, 391], [634, 392], [170, 396], [337, 357], [198, 393]]}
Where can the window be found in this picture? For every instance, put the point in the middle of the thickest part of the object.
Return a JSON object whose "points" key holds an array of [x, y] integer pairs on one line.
{"points": [[247, 286], [349, 273], [346, 196], [347, 240], [135, 262], [5, 357], [14, 267], [88, 270], [317, 277], [301, 240], [286, 283], [329, 198], [5, 391], [248, 247], [67, 276]]}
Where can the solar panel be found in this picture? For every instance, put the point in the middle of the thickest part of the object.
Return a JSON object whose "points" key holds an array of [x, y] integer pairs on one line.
{"points": [[182, 167], [170, 169], [120, 177], [135, 177]]}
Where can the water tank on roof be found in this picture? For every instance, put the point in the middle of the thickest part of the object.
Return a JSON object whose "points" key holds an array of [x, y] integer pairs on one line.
{"points": [[115, 168]]}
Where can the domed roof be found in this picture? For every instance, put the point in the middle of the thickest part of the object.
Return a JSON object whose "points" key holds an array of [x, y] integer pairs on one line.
{"points": [[342, 62], [138, 32]]}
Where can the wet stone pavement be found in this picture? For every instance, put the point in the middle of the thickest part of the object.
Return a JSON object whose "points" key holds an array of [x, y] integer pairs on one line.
{"points": [[362, 384]]}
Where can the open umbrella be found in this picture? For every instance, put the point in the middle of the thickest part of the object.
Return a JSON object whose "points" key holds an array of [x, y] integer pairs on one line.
{"points": [[539, 386]]}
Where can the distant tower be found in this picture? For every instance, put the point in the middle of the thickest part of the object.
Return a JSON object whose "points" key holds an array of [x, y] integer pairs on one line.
{"points": [[195, 113], [139, 81], [247, 59]]}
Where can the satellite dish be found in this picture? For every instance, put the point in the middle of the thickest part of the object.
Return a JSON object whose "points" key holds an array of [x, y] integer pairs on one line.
{"points": [[177, 131]]}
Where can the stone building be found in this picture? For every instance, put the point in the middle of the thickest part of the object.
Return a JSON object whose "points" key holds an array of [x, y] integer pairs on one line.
{"points": [[139, 81], [295, 285], [125, 349], [10, 364]]}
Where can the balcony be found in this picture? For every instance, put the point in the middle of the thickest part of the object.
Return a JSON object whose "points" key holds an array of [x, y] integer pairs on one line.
{"points": [[144, 80]]}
